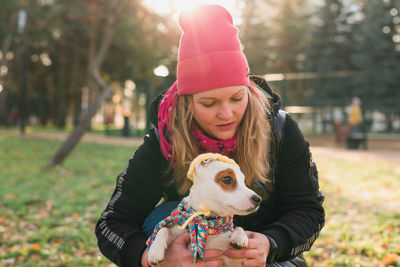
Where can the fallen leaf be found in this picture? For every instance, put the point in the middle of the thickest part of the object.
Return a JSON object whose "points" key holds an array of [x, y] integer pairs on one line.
{"points": [[389, 258], [56, 212], [34, 257], [24, 251], [57, 241], [35, 247], [49, 204], [325, 255], [8, 261], [331, 241], [351, 251], [20, 258], [63, 259], [9, 196]]}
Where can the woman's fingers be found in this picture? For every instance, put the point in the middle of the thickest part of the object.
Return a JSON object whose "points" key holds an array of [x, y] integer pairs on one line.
{"points": [[256, 250], [242, 253], [212, 253], [252, 262], [183, 239], [211, 263], [238, 253]]}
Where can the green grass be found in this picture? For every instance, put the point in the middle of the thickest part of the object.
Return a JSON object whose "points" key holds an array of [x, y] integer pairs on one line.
{"points": [[47, 217]]}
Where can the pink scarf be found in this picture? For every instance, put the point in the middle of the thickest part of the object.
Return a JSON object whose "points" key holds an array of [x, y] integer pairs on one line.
{"points": [[205, 143]]}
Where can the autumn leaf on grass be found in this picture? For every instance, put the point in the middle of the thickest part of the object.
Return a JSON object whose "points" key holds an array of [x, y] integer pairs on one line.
{"points": [[63, 259], [34, 257], [389, 258], [20, 259], [331, 240], [35, 247], [56, 212], [9, 196]]}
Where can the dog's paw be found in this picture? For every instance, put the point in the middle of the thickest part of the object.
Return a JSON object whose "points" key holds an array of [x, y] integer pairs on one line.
{"points": [[239, 239], [155, 255]]}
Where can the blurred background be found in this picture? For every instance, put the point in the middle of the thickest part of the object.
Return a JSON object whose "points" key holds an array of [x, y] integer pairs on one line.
{"points": [[70, 67], [317, 54]]}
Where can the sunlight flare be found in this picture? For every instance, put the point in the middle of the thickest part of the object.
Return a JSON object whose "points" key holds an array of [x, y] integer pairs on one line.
{"points": [[174, 7]]}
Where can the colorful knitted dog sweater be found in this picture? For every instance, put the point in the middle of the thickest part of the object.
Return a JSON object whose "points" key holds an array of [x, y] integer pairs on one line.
{"points": [[199, 228]]}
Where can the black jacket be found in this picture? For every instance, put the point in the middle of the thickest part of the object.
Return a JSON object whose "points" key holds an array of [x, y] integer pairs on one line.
{"points": [[291, 212]]}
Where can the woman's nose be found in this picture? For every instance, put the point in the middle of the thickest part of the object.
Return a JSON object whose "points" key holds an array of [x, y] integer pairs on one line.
{"points": [[225, 112]]}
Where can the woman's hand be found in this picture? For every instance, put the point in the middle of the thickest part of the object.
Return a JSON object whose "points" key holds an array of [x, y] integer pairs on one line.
{"points": [[177, 254], [256, 252]]}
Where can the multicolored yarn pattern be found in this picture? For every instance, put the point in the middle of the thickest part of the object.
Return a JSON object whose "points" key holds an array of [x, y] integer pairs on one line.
{"points": [[199, 227]]}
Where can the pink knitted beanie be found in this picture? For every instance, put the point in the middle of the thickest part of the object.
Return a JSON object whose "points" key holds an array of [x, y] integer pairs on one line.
{"points": [[210, 55]]}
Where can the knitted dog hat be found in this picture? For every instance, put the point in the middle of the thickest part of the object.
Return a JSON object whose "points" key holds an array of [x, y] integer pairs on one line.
{"points": [[210, 54], [207, 156]]}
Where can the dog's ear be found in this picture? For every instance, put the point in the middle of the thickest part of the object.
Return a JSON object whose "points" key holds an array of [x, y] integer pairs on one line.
{"points": [[207, 161]]}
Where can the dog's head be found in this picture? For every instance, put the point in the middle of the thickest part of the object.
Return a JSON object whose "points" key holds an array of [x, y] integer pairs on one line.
{"points": [[219, 184]]}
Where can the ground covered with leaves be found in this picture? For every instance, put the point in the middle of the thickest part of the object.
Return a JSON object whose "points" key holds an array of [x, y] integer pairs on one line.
{"points": [[47, 216], [362, 210]]}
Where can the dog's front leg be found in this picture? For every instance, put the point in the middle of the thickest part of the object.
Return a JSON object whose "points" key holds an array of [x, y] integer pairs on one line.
{"points": [[160, 244], [239, 238]]}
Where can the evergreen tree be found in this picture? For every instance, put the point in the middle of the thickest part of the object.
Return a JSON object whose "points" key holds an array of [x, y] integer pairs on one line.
{"points": [[378, 57], [290, 34], [291, 24], [255, 34], [330, 50]]}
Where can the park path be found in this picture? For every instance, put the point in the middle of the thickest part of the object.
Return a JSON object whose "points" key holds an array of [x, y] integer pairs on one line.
{"points": [[88, 137], [318, 147], [357, 155]]}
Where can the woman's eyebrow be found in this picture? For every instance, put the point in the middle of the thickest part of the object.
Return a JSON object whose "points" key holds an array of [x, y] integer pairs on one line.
{"points": [[238, 92], [206, 97], [209, 97]]}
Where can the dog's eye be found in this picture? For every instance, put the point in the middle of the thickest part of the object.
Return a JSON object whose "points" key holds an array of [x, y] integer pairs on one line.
{"points": [[227, 180]]}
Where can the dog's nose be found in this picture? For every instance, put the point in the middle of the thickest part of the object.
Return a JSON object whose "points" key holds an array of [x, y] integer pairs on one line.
{"points": [[256, 199]]}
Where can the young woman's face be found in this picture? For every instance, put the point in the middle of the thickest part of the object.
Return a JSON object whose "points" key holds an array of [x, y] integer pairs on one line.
{"points": [[219, 111]]}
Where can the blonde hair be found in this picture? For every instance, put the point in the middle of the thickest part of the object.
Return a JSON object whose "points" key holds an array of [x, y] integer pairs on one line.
{"points": [[253, 139]]}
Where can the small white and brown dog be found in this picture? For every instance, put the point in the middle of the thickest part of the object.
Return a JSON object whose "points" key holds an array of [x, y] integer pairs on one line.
{"points": [[218, 192]]}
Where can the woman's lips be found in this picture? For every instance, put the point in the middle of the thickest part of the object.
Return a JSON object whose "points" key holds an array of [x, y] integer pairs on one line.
{"points": [[226, 126]]}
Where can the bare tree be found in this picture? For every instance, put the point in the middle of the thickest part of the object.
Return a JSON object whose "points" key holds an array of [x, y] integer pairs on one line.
{"points": [[115, 7]]}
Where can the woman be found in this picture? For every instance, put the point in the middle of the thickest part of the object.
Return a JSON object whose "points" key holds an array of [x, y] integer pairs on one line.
{"points": [[214, 106]]}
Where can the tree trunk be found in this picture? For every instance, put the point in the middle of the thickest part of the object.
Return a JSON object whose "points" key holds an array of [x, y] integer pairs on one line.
{"points": [[63, 86], [3, 93], [74, 138], [94, 66], [91, 84], [3, 83], [76, 88]]}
